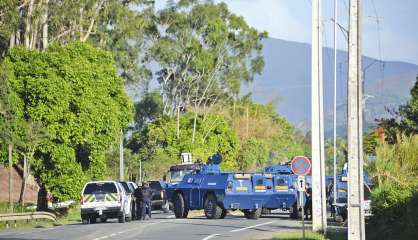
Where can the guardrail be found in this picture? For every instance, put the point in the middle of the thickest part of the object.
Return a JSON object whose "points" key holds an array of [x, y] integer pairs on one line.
{"points": [[13, 217]]}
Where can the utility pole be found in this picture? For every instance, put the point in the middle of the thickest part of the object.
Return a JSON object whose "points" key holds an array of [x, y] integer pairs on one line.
{"points": [[10, 176], [335, 99], [356, 224], [121, 170], [319, 214]]}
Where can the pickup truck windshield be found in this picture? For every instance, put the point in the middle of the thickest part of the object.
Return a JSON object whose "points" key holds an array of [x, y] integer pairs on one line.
{"points": [[100, 188]]}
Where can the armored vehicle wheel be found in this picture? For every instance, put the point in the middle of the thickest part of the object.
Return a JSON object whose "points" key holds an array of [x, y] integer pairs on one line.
{"points": [[295, 214], [252, 214], [212, 209], [179, 207], [265, 211], [224, 212]]}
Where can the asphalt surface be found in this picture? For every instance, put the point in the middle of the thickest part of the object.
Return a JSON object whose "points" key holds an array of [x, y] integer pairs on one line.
{"points": [[164, 227]]}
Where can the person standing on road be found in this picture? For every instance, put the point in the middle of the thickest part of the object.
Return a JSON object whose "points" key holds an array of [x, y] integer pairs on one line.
{"points": [[146, 201], [308, 204], [139, 200]]}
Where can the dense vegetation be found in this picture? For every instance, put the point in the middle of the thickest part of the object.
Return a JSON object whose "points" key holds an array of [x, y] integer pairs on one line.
{"points": [[395, 171], [66, 65]]}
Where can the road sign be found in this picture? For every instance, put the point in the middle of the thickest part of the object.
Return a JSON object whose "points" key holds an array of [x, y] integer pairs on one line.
{"points": [[301, 165], [301, 183]]}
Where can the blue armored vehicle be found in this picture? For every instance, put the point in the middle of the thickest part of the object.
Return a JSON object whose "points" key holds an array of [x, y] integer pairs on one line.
{"points": [[285, 194], [340, 205], [217, 192]]}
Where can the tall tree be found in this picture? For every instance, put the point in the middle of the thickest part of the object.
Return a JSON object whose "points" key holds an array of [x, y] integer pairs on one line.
{"points": [[204, 52], [119, 26], [73, 91]]}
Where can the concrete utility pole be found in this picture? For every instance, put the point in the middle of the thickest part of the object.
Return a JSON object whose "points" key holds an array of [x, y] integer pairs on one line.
{"points": [[121, 169], [10, 176], [335, 99], [356, 226], [319, 213]]}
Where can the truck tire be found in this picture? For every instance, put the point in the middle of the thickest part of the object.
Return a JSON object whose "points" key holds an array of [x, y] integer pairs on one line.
{"points": [[224, 213], [93, 219], [179, 207], [122, 217], [265, 211], [252, 214], [295, 214], [85, 219], [211, 208]]}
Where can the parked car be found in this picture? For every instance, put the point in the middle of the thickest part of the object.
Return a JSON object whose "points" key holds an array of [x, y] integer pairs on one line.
{"points": [[104, 200], [159, 197], [129, 190]]}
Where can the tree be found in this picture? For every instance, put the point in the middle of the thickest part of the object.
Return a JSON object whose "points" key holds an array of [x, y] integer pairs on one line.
{"points": [[409, 112], [148, 109], [159, 148], [204, 53], [261, 122], [253, 155], [119, 26], [75, 93]]}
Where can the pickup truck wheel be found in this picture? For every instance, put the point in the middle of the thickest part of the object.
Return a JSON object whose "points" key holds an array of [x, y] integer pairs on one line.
{"points": [[85, 220], [165, 207], [122, 217], [212, 209], [252, 214], [179, 207], [224, 212]]}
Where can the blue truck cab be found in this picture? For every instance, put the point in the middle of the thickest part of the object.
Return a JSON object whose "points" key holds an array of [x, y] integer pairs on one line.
{"points": [[217, 192]]}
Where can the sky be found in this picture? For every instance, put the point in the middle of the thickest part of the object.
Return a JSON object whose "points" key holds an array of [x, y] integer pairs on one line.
{"points": [[396, 33]]}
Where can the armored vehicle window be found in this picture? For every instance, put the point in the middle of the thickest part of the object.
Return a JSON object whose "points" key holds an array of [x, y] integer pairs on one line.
{"points": [[107, 187], [281, 182]]}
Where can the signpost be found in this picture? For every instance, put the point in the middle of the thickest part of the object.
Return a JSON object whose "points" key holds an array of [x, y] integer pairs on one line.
{"points": [[301, 166]]}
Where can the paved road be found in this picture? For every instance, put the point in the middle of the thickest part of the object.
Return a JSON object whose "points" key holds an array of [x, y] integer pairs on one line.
{"points": [[164, 227]]}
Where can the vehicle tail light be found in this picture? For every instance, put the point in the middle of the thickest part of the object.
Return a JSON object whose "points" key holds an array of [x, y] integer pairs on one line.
{"points": [[162, 194], [81, 199]]}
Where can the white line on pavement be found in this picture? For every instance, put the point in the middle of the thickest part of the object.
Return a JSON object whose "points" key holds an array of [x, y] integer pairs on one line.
{"points": [[132, 229], [211, 236], [261, 224]]}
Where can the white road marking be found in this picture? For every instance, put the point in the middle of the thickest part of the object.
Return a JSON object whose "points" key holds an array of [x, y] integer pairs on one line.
{"points": [[211, 236], [132, 229], [261, 224]]}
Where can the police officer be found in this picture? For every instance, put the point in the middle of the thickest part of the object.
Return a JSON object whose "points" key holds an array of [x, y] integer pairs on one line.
{"points": [[139, 200], [308, 204], [146, 201]]}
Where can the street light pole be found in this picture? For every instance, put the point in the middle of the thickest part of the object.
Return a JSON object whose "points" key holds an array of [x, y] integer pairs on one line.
{"points": [[356, 224], [319, 218]]}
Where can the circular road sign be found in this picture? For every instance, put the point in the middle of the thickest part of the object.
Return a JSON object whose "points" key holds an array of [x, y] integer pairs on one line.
{"points": [[301, 165]]}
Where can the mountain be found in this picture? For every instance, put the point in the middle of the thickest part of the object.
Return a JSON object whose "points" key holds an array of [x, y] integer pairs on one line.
{"points": [[287, 78]]}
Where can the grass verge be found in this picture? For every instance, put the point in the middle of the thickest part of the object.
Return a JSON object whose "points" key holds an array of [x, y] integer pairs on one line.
{"points": [[332, 235]]}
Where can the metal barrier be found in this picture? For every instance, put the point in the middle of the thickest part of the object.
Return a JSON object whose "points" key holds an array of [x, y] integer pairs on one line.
{"points": [[13, 217]]}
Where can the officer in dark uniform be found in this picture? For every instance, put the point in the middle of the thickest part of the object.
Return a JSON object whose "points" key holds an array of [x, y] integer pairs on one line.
{"points": [[139, 200], [146, 201], [308, 204]]}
